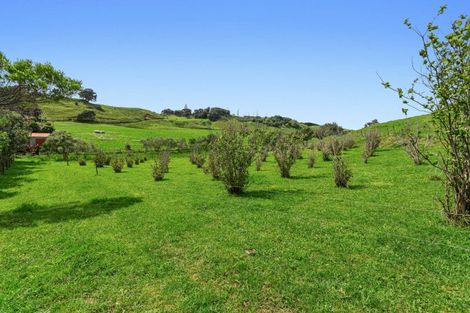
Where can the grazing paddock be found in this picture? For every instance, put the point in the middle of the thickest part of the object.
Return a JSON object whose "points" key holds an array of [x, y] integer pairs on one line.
{"points": [[116, 136], [75, 242]]}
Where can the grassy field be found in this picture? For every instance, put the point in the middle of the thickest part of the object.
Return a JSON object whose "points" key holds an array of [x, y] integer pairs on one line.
{"points": [[116, 136], [71, 241], [68, 109], [421, 122]]}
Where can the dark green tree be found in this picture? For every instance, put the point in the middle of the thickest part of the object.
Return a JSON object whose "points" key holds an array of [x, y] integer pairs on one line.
{"points": [[87, 94]]}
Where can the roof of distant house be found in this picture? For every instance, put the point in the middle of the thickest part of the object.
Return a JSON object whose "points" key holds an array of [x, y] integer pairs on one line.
{"points": [[40, 135]]}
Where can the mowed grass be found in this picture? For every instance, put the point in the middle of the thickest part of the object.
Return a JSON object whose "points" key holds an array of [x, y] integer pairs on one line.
{"points": [[116, 136], [71, 241]]}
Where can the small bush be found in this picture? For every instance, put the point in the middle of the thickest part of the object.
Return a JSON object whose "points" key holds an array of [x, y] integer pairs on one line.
{"points": [[286, 152], [372, 142], [348, 141], [341, 172], [161, 165], [234, 155], [81, 162], [334, 146], [137, 161], [311, 159], [130, 162], [157, 172], [100, 158], [196, 156], [165, 157], [213, 166], [117, 163], [324, 149], [412, 147], [108, 160], [86, 116]]}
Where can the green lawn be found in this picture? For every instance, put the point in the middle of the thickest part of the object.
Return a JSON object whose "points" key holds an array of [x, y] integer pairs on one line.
{"points": [[71, 241], [116, 136]]}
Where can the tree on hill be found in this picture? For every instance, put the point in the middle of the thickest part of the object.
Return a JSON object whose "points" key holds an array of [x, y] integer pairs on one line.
{"points": [[443, 89], [373, 122], [216, 114], [329, 129], [24, 81], [185, 112], [87, 94], [86, 116]]}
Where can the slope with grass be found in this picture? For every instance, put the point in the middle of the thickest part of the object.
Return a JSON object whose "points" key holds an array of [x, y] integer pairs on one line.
{"points": [[68, 109], [75, 242], [116, 136], [421, 122]]}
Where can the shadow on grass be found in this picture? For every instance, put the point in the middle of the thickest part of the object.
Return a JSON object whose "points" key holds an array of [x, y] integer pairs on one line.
{"points": [[17, 175], [29, 214], [357, 187], [271, 194]]}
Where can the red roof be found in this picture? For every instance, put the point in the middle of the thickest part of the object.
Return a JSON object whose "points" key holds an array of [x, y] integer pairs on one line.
{"points": [[40, 135]]}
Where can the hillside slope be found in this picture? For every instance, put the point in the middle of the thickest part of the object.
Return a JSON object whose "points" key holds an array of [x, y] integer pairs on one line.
{"points": [[68, 109], [422, 122]]}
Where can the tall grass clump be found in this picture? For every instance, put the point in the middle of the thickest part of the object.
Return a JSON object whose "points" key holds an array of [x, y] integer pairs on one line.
{"points": [[234, 156], [372, 142], [286, 151]]}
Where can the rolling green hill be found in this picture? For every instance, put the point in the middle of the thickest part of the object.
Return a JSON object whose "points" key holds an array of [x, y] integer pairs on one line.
{"points": [[115, 136], [68, 109], [396, 126]]}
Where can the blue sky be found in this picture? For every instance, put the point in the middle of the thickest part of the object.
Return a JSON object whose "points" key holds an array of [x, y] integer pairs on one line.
{"points": [[311, 60]]}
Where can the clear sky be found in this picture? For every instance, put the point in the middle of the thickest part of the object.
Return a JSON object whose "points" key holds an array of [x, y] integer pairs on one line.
{"points": [[311, 60]]}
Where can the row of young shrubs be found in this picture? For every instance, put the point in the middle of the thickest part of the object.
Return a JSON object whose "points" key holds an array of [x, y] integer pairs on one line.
{"points": [[118, 161], [228, 156]]}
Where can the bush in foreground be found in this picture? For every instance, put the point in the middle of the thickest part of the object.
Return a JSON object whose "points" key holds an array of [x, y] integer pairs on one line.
{"points": [[161, 165], [341, 172], [234, 155], [286, 151], [442, 88]]}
